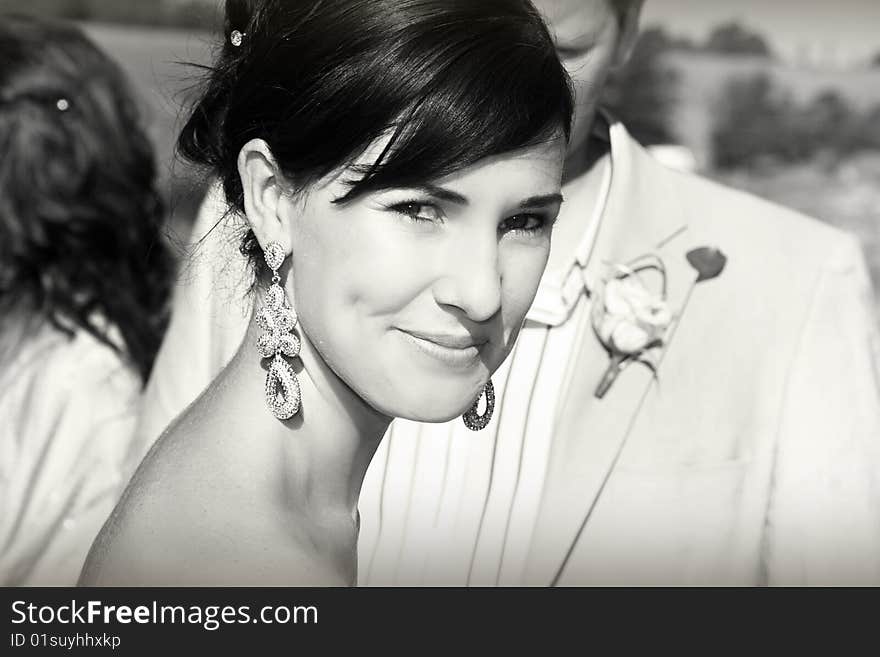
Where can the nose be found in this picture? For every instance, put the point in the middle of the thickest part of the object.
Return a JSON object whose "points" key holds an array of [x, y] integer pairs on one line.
{"points": [[471, 279]]}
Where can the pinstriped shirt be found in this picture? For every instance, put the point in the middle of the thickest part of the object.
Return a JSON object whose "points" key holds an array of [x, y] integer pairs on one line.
{"points": [[442, 505]]}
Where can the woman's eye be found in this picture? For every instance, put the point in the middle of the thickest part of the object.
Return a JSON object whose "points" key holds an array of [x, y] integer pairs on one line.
{"points": [[524, 223], [417, 211]]}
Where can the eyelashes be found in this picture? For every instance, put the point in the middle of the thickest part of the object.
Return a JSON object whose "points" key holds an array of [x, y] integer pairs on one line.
{"points": [[417, 211], [420, 211], [526, 222]]}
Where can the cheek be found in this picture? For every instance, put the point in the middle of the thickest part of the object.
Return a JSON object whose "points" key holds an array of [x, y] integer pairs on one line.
{"points": [[378, 272], [351, 276], [521, 269]]}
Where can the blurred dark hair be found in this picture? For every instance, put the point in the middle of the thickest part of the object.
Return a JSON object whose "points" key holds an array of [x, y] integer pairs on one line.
{"points": [[80, 215], [452, 81]]}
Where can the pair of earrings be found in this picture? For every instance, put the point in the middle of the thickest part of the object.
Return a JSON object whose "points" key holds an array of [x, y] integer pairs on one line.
{"points": [[278, 319]]}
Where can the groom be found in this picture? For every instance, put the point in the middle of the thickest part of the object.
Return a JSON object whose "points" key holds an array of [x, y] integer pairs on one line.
{"points": [[747, 453]]}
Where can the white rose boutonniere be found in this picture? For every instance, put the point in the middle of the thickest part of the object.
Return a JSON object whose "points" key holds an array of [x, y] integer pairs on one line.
{"points": [[630, 319]]}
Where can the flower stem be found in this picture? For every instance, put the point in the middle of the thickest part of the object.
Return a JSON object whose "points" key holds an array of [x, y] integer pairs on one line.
{"points": [[610, 375]]}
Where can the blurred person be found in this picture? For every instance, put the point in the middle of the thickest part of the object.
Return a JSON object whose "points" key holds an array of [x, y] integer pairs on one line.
{"points": [[749, 456], [83, 289], [396, 166]]}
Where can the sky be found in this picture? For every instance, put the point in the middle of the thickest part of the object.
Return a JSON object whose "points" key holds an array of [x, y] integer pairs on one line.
{"points": [[835, 32]]}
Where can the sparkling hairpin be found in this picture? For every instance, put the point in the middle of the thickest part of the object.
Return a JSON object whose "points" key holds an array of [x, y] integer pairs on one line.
{"points": [[236, 37], [62, 104]]}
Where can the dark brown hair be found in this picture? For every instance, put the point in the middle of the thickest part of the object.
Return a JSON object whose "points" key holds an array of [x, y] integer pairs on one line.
{"points": [[80, 215], [453, 82]]}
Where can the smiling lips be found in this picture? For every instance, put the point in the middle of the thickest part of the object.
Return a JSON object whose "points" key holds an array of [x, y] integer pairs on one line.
{"points": [[458, 350]]}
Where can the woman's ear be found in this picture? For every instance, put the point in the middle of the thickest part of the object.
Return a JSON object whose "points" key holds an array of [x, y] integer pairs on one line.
{"points": [[629, 31], [263, 189]]}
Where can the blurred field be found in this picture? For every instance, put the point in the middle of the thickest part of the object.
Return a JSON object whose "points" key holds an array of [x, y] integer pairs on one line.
{"points": [[846, 194]]}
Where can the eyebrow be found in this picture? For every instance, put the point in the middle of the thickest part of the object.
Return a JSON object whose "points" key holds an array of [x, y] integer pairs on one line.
{"points": [[544, 199], [444, 194]]}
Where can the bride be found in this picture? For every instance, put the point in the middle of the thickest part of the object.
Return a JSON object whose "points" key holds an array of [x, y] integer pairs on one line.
{"points": [[396, 166]]}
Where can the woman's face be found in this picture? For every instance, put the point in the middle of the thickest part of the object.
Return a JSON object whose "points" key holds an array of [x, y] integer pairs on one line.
{"points": [[415, 296]]}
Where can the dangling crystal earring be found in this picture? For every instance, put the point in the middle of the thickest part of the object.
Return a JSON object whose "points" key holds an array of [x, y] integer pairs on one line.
{"points": [[277, 319], [474, 421]]}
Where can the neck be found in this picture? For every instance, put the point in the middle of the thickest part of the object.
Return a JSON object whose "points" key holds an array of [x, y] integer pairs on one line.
{"points": [[583, 153], [314, 462]]}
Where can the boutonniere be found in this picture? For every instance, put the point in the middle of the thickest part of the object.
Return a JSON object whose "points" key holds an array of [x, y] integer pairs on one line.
{"points": [[631, 315], [634, 323]]}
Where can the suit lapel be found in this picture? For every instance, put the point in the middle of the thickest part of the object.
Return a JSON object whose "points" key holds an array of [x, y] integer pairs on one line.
{"points": [[591, 433]]}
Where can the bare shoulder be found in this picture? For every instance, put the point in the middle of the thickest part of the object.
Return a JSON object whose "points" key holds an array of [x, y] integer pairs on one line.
{"points": [[147, 545], [182, 523], [201, 554]]}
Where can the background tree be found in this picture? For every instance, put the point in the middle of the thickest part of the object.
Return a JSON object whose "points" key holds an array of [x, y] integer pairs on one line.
{"points": [[643, 93], [757, 121], [753, 122], [733, 38]]}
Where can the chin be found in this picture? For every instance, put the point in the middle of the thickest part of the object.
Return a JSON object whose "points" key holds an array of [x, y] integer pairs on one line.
{"points": [[432, 416], [430, 406]]}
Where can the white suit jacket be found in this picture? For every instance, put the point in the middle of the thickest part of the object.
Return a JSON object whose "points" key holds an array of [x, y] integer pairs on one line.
{"points": [[754, 455]]}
